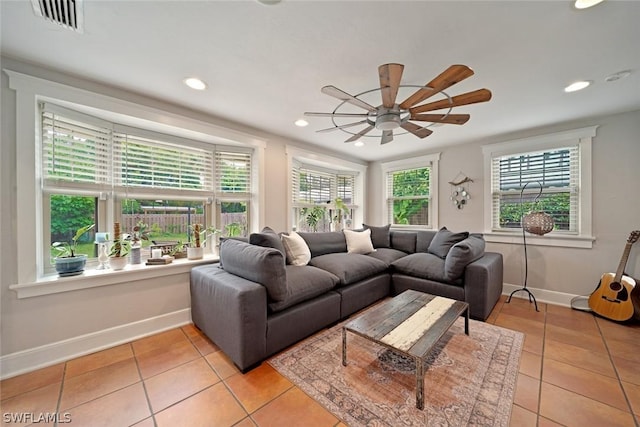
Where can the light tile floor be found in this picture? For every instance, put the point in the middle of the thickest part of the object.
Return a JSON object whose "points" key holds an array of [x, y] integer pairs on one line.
{"points": [[576, 370]]}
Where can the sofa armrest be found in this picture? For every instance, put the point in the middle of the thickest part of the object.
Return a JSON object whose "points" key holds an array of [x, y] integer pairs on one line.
{"points": [[232, 312], [483, 284]]}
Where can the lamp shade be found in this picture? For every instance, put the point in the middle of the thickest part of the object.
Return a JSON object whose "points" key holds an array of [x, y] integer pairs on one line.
{"points": [[537, 222]]}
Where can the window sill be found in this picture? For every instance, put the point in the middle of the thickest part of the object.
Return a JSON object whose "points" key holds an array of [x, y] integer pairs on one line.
{"points": [[558, 240], [93, 278]]}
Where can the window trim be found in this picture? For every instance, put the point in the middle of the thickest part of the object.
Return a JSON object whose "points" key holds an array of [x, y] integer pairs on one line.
{"points": [[30, 90], [583, 137], [429, 160]]}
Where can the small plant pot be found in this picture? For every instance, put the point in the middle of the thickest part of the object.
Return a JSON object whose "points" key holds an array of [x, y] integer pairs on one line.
{"points": [[118, 262], [195, 253], [70, 266]]}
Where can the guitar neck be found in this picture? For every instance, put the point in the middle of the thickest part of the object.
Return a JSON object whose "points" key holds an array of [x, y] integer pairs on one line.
{"points": [[623, 262]]}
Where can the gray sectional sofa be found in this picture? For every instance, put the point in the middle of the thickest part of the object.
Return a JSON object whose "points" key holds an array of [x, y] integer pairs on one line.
{"points": [[254, 304]]}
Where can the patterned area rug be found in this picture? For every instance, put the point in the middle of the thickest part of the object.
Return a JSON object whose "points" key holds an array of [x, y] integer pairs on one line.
{"points": [[470, 380]]}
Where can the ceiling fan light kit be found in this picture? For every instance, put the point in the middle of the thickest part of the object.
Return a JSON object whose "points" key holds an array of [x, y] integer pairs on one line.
{"points": [[391, 116]]}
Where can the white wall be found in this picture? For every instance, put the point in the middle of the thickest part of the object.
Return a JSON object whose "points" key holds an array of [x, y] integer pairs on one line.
{"points": [[31, 327], [616, 206]]}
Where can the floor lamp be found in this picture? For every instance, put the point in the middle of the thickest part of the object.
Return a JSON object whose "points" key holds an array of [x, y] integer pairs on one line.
{"points": [[534, 222]]}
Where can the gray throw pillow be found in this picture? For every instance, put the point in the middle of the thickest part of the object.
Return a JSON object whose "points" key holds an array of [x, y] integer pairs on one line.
{"points": [[379, 235], [267, 238], [443, 240], [461, 254]]}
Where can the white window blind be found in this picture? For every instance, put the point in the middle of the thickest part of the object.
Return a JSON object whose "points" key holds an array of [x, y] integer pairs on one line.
{"points": [[346, 188], [74, 151], [233, 173], [147, 163], [313, 187], [555, 171]]}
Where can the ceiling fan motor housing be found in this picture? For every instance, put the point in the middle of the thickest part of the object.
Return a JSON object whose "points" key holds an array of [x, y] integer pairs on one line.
{"points": [[388, 119]]}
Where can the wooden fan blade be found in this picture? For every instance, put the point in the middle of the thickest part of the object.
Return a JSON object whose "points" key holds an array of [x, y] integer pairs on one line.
{"points": [[335, 114], [344, 96], [359, 134], [387, 136], [452, 75], [418, 131], [454, 119], [480, 95], [348, 125], [390, 76]]}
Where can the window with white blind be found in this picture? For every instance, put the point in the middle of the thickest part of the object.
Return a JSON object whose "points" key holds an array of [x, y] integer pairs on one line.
{"points": [[318, 195], [410, 187], [551, 173], [100, 172]]}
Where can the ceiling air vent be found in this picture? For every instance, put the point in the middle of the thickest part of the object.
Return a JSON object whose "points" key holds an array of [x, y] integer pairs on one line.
{"points": [[67, 13]]}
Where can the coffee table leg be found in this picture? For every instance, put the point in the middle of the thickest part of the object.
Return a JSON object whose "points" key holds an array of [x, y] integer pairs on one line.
{"points": [[466, 322], [344, 347], [419, 384]]}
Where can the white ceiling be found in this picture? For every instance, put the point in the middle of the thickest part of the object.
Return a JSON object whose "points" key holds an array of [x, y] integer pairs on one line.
{"points": [[265, 65]]}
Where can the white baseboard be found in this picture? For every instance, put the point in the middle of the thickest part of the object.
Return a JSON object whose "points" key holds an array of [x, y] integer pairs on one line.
{"points": [[40, 357], [542, 295]]}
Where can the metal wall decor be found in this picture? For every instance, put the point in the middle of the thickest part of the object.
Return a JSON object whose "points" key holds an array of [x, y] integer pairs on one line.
{"points": [[460, 192]]}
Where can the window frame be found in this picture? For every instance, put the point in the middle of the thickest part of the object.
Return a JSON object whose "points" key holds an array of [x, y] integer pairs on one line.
{"points": [[29, 92], [325, 164], [583, 138], [431, 161]]}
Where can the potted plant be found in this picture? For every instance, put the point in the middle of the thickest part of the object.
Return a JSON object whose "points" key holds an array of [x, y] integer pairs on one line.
{"points": [[119, 249], [342, 211], [201, 235], [140, 232], [67, 261]]}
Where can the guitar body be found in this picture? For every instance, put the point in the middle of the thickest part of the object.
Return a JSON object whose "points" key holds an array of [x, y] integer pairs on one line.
{"points": [[612, 299]]}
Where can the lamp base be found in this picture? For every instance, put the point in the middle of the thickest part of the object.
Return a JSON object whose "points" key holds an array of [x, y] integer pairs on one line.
{"points": [[532, 297]]}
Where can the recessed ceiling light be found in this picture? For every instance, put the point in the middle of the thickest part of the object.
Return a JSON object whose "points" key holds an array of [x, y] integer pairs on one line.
{"points": [[584, 4], [577, 86], [301, 122], [359, 144], [195, 83]]}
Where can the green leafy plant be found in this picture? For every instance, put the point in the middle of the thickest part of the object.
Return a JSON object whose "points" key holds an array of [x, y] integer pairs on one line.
{"points": [[68, 249], [121, 245], [313, 216], [141, 232], [233, 229], [201, 234], [341, 210]]}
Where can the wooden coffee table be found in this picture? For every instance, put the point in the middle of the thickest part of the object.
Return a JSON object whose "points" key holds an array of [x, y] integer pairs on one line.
{"points": [[410, 324]]}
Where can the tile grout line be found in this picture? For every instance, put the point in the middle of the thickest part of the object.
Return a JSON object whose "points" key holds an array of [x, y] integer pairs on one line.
{"points": [[144, 385], [615, 369]]}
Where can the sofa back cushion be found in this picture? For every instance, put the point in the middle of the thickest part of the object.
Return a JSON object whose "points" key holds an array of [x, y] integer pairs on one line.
{"points": [[267, 238], [461, 254], [325, 243], [444, 240], [380, 236], [404, 241], [423, 239], [261, 265]]}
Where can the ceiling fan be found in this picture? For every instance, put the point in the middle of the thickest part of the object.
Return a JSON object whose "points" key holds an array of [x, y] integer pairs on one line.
{"points": [[390, 115]]}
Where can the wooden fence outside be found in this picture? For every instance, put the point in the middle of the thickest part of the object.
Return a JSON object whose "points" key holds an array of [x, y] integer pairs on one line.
{"points": [[179, 223]]}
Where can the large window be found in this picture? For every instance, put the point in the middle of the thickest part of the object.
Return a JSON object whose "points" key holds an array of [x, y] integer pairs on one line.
{"points": [[410, 187], [551, 173], [100, 172], [322, 199]]}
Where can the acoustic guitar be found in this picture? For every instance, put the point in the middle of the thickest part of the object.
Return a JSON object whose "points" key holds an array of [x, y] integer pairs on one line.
{"points": [[612, 298]]}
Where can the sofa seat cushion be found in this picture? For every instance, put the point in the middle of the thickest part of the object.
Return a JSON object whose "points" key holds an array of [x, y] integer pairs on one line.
{"points": [[423, 266], [388, 255], [304, 283], [349, 268]]}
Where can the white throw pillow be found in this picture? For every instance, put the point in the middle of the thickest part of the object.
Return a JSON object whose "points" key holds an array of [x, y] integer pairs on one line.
{"points": [[359, 242], [297, 250]]}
